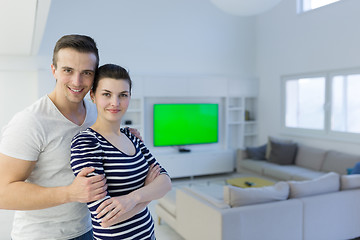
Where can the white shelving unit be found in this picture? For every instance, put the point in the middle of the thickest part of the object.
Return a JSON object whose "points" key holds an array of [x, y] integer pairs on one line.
{"points": [[134, 117], [240, 127], [241, 122]]}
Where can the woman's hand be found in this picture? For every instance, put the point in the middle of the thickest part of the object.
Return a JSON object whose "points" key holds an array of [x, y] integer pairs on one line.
{"points": [[114, 207], [153, 172]]}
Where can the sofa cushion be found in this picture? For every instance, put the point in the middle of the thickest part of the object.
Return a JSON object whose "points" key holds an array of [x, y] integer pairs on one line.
{"points": [[306, 175], [236, 196], [291, 172], [339, 162], [309, 157], [282, 153], [256, 153], [350, 181], [212, 194], [280, 172], [327, 183], [255, 166], [273, 139]]}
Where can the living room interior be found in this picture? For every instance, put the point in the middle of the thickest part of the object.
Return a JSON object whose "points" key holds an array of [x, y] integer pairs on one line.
{"points": [[189, 52]]}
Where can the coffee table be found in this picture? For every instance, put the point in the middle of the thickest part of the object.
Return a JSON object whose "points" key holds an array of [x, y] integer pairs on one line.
{"points": [[246, 182]]}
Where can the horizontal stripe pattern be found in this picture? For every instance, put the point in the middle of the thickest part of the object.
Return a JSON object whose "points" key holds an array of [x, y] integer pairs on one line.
{"points": [[124, 174]]}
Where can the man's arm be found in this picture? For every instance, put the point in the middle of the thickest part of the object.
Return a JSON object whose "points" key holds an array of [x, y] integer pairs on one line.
{"points": [[14, 189]]}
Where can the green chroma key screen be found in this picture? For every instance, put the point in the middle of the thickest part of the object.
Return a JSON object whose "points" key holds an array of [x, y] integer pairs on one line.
{"points": [[185, 124]]}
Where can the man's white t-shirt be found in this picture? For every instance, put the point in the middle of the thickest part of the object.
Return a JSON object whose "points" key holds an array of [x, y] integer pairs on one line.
{"points": [[41, 133]]}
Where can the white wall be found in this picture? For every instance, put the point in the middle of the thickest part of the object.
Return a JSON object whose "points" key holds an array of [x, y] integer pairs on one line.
{"points": [[324, 39], [19, 82], [151, 38], [159, 37]]}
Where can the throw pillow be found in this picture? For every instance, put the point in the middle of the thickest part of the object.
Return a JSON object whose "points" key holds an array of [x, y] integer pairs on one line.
{"points": [[283, 153], [350, 181], [273, 139], [327, 183], [256, 153], [236, 196], [356, 169]]}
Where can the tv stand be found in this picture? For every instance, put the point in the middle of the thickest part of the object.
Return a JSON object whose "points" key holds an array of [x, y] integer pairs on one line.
{"points": [[197, 163]]}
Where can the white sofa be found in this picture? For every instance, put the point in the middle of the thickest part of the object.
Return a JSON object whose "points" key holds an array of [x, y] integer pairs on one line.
{"points": [[309, 163], [333, 213], [319, 206]]}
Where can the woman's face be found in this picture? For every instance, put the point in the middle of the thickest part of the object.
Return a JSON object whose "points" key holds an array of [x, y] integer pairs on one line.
{"points": [[112, 98]]}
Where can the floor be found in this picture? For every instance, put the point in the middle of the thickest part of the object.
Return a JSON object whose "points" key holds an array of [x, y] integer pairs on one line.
{"points": [[163, 231]]}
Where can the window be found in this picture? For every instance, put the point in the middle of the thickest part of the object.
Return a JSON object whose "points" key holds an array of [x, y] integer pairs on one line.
{"points": [[345, 111], [306, 5], [305, 99], [327, 103]]}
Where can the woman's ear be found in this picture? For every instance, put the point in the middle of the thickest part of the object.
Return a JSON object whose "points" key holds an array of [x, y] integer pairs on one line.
{"points": [[92, 96]]}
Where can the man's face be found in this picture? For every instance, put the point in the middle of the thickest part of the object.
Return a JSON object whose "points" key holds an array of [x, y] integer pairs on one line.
{"points": [[74, 74]]}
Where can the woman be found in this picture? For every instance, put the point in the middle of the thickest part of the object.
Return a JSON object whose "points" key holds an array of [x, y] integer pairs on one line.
{"points": [[123, 158]]}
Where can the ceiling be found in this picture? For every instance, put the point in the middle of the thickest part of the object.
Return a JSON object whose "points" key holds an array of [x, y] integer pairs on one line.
{"points": [[22, 23]]}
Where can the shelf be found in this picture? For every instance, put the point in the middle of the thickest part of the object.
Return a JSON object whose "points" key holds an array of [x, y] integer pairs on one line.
{"points": [[241, 133], [235, 123], [250, 134], [235, 109], [134, 111], [135, 114], [235, 102]]}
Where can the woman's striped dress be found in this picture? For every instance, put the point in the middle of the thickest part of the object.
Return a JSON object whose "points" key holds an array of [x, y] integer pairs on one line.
{"points": [[124, 174]]}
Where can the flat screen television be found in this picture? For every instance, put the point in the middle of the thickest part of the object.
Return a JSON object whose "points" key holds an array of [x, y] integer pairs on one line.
{"points": [[185, 124]]}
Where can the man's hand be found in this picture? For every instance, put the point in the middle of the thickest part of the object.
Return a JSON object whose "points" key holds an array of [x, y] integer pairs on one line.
{"points": [[87, 189], [135, 132]]}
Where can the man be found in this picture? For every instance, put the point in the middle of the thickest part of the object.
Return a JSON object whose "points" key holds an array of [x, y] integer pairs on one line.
{"points": [[35, 173]]}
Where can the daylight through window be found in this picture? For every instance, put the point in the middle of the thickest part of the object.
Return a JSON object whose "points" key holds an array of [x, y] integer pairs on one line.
{"points": [[328, 103], [306, 5]]}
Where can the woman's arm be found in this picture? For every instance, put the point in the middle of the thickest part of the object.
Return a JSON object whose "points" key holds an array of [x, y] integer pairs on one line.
{"points": [[155, 189], [123, 204], [113, 214]]}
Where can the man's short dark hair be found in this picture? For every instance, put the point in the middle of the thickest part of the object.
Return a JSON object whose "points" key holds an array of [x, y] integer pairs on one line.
{"points": [[80, 43]]}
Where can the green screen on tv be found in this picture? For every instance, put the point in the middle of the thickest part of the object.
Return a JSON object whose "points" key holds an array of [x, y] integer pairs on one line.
{"points": [[185, 124]]}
